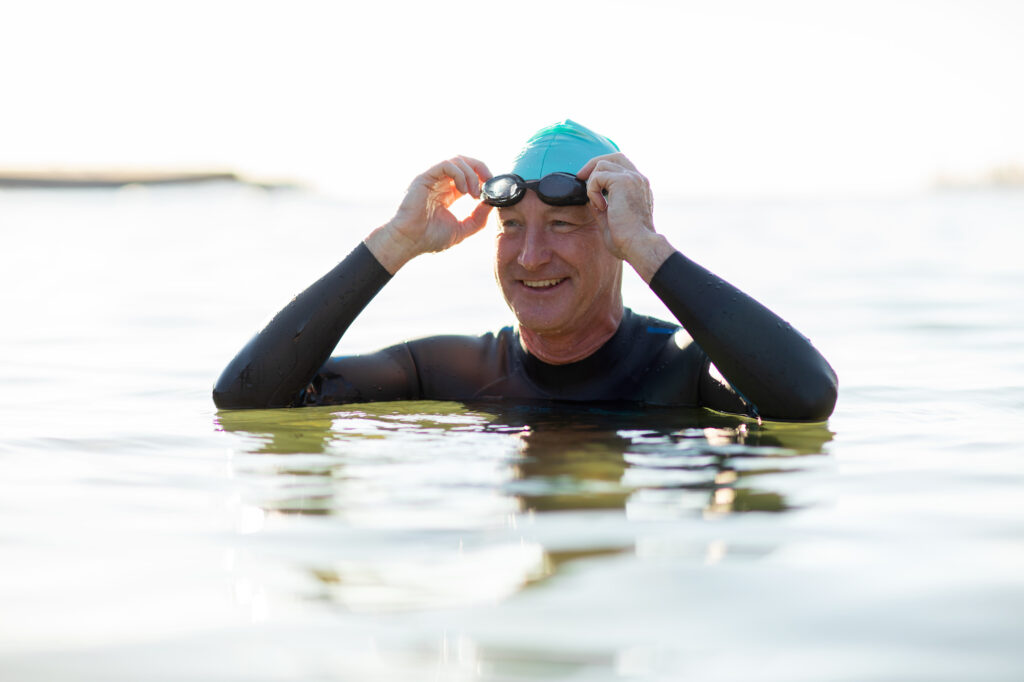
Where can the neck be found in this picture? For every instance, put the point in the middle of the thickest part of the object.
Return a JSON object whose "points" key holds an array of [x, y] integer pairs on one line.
{"points": [[562, 348]]}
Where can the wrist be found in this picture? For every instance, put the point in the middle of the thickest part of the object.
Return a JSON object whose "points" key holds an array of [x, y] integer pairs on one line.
{"points": [[648, 254], [390, 248]]}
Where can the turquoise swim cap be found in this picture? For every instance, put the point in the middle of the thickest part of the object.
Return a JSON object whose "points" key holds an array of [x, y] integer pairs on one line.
{"points": [[560, 148]]}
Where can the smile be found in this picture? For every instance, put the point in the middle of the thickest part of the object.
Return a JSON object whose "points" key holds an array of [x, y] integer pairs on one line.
{"points": [[542, 283]]}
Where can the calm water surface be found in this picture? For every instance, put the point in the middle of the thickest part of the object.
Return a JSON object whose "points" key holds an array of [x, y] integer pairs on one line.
{"points": [[144, 535]]}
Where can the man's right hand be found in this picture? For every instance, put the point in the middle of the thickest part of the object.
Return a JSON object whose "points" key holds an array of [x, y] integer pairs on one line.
{"points": [[423, 222]]}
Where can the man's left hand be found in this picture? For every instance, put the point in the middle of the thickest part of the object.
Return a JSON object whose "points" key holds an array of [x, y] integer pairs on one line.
{"points": [[624, 206]]}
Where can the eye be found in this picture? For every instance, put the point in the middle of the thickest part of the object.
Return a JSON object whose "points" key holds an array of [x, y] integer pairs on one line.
{"points": [[510, 225], [563, 226]]}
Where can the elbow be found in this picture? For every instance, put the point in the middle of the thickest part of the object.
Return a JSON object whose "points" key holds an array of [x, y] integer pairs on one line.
{"points": [[818, 399], [231, 397], [235, 391], [814, 401], [234, 398], [228, 400], [240, 391], [819, 404]]}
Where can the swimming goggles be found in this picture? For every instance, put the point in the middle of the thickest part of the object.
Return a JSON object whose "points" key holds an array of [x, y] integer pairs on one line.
{"points": [[556, 189]]}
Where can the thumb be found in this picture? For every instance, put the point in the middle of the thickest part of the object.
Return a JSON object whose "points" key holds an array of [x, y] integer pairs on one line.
{"points": [[475, 221], [478, 218]]}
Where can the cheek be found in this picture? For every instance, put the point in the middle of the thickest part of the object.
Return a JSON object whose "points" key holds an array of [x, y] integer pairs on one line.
{"points": [[584, 247], [600, 266], [505, 250]]}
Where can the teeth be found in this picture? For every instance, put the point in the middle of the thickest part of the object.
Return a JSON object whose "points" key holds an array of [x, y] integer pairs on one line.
{"points": [[541, 283]]}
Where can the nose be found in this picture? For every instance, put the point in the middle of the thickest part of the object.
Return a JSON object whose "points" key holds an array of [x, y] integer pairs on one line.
{"points": [[534, 250]]}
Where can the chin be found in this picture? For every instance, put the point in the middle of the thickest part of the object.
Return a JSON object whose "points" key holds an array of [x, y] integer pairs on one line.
{"points": [[540, 323], [547, 317]]}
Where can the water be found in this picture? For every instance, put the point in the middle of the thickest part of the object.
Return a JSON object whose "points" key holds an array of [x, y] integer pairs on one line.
{"points": [[143, 535]]}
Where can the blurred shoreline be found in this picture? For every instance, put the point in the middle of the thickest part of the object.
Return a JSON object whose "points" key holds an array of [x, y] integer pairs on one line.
{"points": [[1004, 177], [62, 178], [1008, 176]]}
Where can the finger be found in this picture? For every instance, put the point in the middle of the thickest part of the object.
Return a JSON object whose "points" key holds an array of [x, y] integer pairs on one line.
{"points": [[621, 160], [475, 221], [478, 218], [472, 181], [437, 180], [598, 187], [450, 169], [588, 168], [480, 168], [618, 160], [602, 223], [608, 165]]}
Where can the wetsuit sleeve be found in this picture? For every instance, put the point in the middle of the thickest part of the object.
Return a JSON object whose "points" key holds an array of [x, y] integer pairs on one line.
{"points": [[773, 368], [277, 365]]}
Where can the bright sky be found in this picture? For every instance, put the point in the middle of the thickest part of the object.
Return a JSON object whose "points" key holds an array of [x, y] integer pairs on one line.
{"points": [[727, 98]]}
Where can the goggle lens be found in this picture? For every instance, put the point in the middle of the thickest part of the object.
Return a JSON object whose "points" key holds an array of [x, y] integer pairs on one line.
{"points": [[503, 190], [556, 189], [562, 189]]}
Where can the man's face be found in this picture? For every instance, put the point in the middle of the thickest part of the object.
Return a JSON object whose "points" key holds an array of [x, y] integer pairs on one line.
{"points": [[554, 270]]}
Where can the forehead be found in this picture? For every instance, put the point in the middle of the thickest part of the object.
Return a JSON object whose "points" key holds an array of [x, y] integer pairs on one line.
{"points": [[532, 206]]}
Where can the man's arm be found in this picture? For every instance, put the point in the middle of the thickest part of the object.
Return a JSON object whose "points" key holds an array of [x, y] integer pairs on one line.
{"points": [[774, 369], [280, 361]]}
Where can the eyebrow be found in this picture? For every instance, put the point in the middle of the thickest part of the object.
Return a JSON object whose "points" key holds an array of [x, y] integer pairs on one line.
{"points": [[574, 211]]}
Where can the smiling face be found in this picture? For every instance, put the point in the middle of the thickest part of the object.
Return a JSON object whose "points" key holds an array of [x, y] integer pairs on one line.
{"points": [[554, 270]]}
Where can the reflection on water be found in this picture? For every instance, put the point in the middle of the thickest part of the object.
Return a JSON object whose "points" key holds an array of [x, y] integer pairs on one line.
{"points": [[458, 473], [546, 458]]}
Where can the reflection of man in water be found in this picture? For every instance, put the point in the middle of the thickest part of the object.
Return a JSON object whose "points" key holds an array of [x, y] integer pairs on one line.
{"points": [[563, 457], [573, 209]]}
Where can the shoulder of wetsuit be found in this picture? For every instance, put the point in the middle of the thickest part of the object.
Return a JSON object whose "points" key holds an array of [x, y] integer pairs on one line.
{"points": [[456, 366]]}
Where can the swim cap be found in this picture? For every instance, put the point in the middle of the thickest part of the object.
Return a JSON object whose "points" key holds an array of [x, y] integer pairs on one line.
{"points": [[563, 147]]}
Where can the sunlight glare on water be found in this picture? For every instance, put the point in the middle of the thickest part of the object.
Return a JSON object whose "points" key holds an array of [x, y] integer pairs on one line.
{"points": [[144, 535]]}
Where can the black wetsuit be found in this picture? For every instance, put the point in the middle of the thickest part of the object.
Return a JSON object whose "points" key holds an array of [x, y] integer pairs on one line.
{"points": [[772, 370]]}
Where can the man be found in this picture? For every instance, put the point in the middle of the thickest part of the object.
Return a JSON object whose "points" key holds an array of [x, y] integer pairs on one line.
{"points": [[573, 209]]}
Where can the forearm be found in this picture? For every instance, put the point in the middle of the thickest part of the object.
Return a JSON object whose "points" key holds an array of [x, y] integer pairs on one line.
{"points": [[768, 362], [280, 360]]}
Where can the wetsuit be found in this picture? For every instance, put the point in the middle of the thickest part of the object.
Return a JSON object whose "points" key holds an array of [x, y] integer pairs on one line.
{"points": [[772, 370]]}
